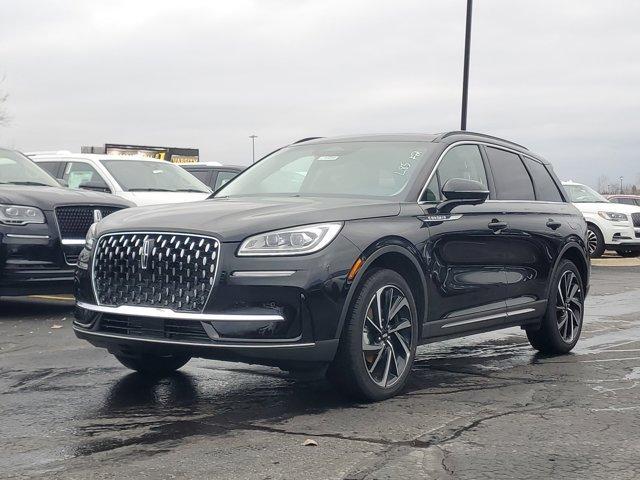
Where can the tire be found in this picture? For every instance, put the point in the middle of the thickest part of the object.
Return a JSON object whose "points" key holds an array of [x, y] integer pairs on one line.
{"points": [[560, 329], [379, 370], [595, 241], [154, 365], [628, 253]]}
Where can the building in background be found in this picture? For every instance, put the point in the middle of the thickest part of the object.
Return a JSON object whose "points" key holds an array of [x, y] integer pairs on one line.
{"points": [[171, 154]]}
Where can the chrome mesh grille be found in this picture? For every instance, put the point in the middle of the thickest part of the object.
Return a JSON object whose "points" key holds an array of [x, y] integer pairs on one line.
{"points": [[636, 219], [166, 270]]}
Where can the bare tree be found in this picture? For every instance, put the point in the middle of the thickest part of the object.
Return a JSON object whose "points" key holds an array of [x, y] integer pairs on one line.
{"points": [[603, 184], [4, 115]]}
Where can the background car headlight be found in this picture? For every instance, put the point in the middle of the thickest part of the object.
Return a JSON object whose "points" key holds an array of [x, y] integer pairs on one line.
{"points": [[90, 239], [614, 217], [20, 215], [291, 241]]}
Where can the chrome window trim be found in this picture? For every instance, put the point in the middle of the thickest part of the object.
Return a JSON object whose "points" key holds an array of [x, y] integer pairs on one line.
{"points": [[154, 312], [512, 313], [486, 144], [216, 277], [193, 344]]}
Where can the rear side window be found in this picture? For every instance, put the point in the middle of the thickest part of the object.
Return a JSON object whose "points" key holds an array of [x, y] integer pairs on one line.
{"points": [[203, 175], [511, 179], [52, 168], [546, 189], [223, 177]]}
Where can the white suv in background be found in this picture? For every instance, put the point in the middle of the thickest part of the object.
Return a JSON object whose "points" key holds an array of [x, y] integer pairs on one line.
{"points": [[611, 226], [144, 181]]}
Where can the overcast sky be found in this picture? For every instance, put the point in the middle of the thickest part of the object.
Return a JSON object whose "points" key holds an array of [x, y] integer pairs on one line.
{"points": [[561, 76]]}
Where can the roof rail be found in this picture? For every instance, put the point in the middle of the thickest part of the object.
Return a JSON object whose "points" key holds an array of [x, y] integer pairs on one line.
{"points": [[305, 139], [465, 132]]}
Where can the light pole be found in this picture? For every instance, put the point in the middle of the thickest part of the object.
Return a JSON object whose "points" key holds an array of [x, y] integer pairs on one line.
{"points": [[253, 148], [465, 72], [621, 192]]}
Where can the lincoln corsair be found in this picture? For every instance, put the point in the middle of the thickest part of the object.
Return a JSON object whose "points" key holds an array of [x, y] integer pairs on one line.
{"points": [[343, 254]]}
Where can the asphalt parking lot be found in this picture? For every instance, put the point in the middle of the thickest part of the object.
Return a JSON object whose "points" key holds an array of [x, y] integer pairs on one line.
{"points": [[480, 407]]}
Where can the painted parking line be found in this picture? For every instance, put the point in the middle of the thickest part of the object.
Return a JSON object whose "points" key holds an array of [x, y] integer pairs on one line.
{"points": [[615, 262]]}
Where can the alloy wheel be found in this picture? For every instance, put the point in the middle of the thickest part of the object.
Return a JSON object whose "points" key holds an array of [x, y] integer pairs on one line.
{"points": [[387, 336], [569, 305], [592, 241]]}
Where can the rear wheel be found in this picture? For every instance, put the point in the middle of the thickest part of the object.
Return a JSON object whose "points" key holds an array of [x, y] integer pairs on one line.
{"points": [[595, 241], [154, 364], [379, 339], [562, 323]]}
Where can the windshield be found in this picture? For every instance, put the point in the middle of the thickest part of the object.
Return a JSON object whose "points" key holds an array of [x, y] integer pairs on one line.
{"points": [[16, 169], [145, 176], [377, 169], [584, 194]]}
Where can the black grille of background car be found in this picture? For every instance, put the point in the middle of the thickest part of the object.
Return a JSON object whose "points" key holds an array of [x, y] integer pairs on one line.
{"points": [[74, 222], [636, 219], [179, 274], [153, 327]]}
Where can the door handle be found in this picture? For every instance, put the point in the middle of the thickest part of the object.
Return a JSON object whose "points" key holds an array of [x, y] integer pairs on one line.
{"points": [[553, 225], [497, 225]]}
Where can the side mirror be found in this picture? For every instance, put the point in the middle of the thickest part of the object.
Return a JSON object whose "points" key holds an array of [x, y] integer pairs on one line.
{"points": [[63, 182], [459, 191], [96, 187]]}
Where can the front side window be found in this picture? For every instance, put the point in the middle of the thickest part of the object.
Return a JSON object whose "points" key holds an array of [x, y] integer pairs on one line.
{"points": [[546, 188], [83, 175], [16, 169], [375, 169], [463, 161], [583, 194], [149, 176], [512, 182]]}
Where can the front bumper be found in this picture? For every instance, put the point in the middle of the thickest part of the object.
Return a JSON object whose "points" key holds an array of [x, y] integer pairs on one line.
{"points": [[622, 235], [32, 262], [261, 310]]}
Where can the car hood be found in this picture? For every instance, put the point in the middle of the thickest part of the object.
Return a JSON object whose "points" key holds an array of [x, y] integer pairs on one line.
{"points": [[47, 198], [233, 219], [158, 198], [607, 207]]}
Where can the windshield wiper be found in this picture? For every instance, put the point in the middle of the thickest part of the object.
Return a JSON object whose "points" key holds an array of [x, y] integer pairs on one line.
{"points": [[150, 190], [190, 190], [37, 184]]}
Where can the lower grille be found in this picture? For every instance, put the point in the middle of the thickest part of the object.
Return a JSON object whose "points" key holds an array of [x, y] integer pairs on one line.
{"points": [[636, 219], [168, 270], [153, 328], [74, 222]]}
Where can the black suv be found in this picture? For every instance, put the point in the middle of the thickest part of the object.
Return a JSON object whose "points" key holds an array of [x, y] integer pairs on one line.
{"points": [[343, 252], [42, 227]]}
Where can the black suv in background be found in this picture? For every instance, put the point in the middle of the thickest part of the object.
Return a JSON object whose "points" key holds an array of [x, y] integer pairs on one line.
{"points": [[343, 252], [212, 174], [42, 227]]}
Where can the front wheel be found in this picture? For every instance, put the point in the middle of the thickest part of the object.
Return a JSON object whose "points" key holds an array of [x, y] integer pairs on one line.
{"points": [[154, 365], [561, 326], [379, 338], [595, 241]]}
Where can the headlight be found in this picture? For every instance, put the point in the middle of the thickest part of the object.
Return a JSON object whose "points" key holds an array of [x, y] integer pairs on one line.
{"points": [[291, 241], [90, 239], [19, 215], [614, 217]]}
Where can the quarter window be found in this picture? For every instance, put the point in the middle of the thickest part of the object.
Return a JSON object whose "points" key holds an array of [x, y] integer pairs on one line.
{"points": [[463, 161], [546, 188], [511, 179]]}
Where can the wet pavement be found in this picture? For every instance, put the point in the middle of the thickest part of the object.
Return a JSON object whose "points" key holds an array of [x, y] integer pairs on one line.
{"points": [[481, 407]]}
